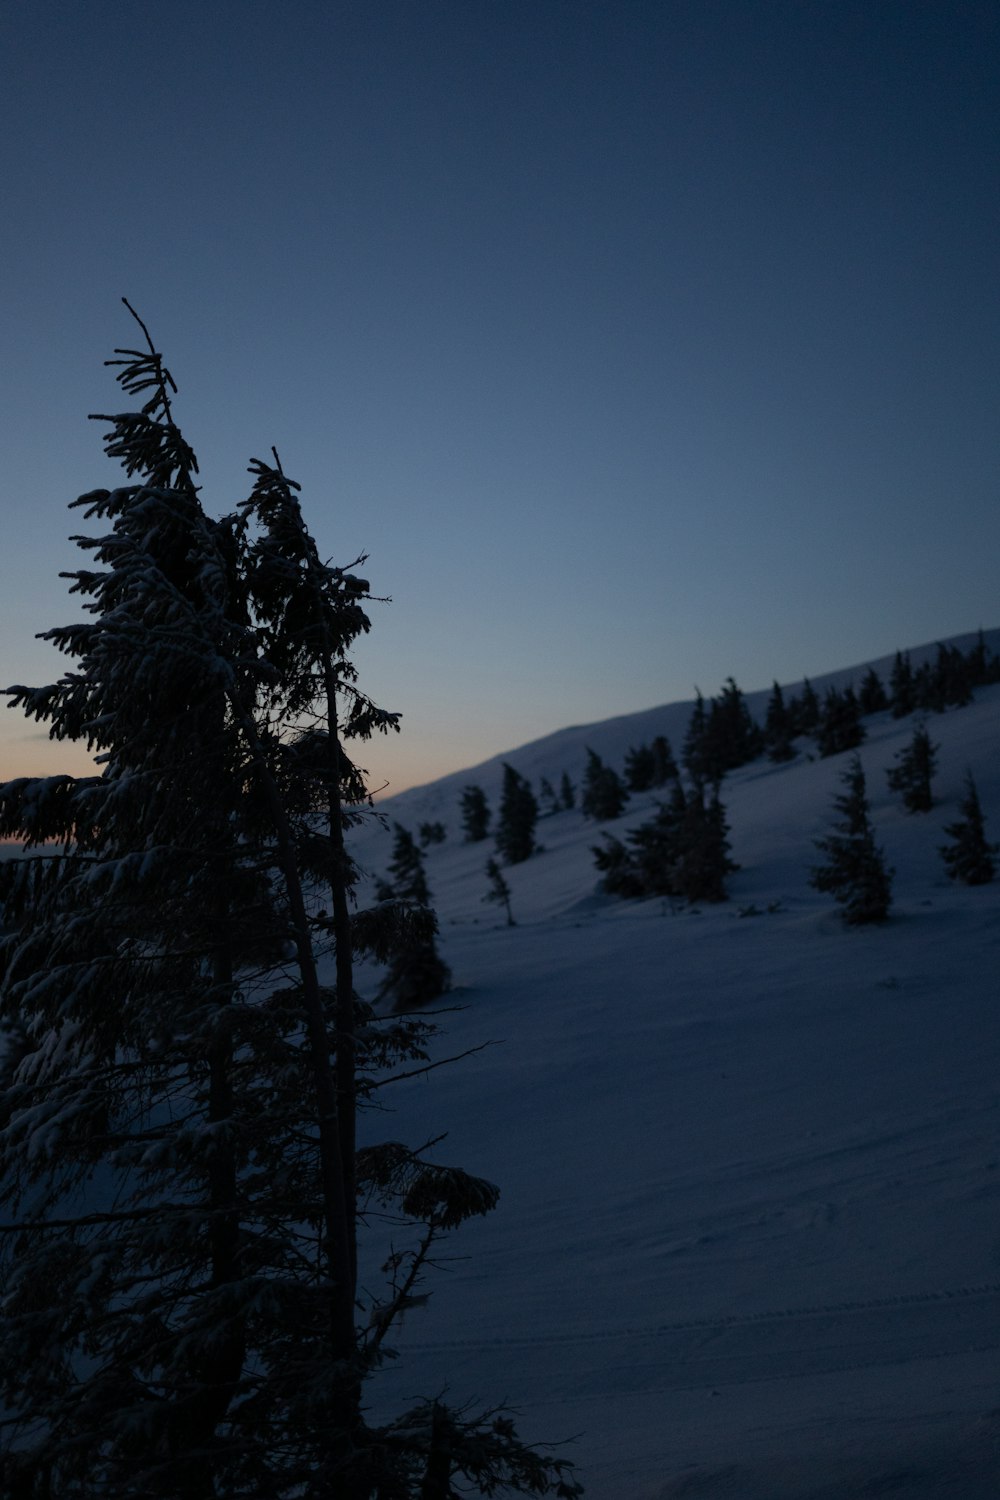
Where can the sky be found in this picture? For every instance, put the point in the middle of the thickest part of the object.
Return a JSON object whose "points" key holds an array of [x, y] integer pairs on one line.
{"points": [[638, 344]]}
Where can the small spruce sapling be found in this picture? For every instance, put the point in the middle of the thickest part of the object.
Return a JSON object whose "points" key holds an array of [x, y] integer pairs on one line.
{"points": [[970, 857], [855, 872], [499, 890]]}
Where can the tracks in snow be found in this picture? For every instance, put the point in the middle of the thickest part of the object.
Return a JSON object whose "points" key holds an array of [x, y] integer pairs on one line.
{"points": [[986, 1291], [777, 1344]]}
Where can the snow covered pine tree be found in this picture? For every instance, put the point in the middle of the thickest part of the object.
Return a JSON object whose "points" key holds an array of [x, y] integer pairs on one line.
{"points": [[855, 873], [970, 857], [416, 972], [177, 1151], [912, 775]]}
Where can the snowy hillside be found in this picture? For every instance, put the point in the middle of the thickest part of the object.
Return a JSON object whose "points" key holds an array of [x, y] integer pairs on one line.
{"points": [[748, 1243]]}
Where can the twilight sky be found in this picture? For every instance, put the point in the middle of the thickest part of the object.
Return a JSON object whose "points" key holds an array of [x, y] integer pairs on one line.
{"points": [[638, 343]]}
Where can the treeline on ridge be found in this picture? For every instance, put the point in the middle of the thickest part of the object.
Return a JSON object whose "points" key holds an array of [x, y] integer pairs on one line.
{"points": [[683, 851]]}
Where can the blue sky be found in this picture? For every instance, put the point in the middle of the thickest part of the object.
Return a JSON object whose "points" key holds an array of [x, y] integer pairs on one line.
{"points": [[638, 344]]}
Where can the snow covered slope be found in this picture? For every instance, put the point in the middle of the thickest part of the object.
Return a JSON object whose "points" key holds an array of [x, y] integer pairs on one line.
{"points": [[748, 1243]]}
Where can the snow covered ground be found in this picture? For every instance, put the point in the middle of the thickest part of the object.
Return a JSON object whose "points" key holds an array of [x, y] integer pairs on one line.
{"points": [[748, 1243]]}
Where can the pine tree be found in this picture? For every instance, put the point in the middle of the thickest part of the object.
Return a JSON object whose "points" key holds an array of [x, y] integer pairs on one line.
{"points": [[841, 727], [499, 890], [807, 710], [902, 698], [951, 682], [603, 796], [431, 833], [193, 1331], [475, 814], [515, 835], [640, 768], [567, 793], [732, 739], [912, 776], [416, 972], [407, 869], [704, 861], [664, 764], [980, 664], [657, 846], [694, 754], [855, 872], [969, 857], [778, 727], [872, 696]]}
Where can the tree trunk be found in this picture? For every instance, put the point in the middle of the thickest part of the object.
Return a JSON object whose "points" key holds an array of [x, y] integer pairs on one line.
{"points": [[345, 1062]]}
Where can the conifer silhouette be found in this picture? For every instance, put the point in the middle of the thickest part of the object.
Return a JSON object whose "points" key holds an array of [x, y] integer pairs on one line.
{"points": [[970, 857], [855, 872]]}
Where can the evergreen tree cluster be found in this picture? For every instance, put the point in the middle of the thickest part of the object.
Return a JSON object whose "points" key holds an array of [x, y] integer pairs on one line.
{"points": [[199, 1329], [947, 682], [836, 722], [603, 795], [855, 872], [648, 767], [721, 736], [840, 727], [519, 811], [682, 852]]}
